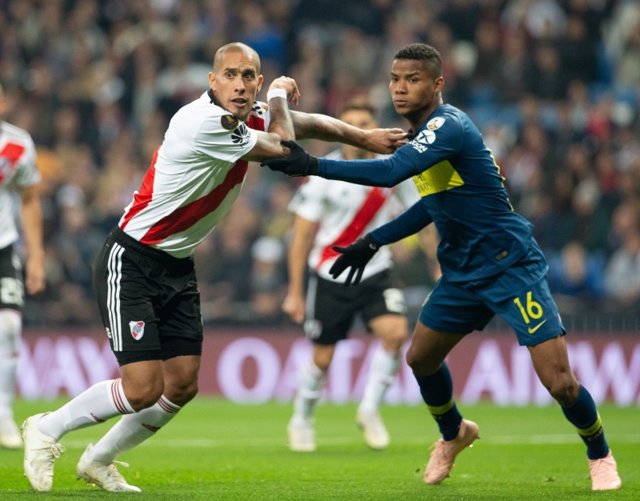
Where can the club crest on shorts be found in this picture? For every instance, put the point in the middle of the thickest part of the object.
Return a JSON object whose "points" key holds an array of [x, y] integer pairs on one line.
{"points": [[137, 329]]}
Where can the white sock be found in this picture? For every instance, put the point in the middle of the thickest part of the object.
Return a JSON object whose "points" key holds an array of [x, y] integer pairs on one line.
{"points": [[382, 372], [133, 429], [94, 405], [10, 327], [309, 391]]}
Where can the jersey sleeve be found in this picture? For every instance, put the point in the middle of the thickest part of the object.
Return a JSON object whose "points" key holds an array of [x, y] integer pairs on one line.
{"points": [[441, 139], [223, 136], [409, 222], [27, 173]]}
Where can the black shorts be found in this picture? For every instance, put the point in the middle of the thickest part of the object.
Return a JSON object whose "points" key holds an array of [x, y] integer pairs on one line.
{"points": [[11, 284], [332, 307], [148, 300]]}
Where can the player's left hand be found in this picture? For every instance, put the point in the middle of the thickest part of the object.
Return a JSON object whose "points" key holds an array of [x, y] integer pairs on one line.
{"points": [[385, 140], [290, 87], [296, 163], [355, 256]]}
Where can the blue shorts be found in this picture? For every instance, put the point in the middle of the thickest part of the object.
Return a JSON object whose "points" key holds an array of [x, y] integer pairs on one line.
{"points": [[519, 295]]}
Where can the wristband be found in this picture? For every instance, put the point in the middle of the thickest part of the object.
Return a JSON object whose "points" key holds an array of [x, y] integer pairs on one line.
{"points": [[272, 93]]}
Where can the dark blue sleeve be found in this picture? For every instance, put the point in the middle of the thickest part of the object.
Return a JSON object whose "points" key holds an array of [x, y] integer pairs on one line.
{"points": [[409, 222], [377, 172], [427, 148]]}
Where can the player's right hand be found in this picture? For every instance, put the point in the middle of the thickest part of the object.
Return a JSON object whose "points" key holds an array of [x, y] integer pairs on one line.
{"points": [[294, 306], [385, 140]]}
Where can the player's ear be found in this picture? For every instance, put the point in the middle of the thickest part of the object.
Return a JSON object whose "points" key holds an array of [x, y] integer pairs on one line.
{"points": [[260, 82], [212, 79], [439, 83]]}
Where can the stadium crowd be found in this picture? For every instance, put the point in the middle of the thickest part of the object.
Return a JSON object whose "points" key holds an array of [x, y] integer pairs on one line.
{"points": [[554, 85]]}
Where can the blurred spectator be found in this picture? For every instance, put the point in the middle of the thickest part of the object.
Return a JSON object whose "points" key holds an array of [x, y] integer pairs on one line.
{"points": [[576, 278], [554, 85], [622, 274], [268, 280]]}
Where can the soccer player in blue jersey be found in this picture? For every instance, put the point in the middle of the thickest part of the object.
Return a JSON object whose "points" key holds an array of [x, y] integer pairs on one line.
{"points": [[491, 264]]}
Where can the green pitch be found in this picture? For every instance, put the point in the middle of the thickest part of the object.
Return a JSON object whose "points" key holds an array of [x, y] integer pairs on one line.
{"points": [[215, 450]]}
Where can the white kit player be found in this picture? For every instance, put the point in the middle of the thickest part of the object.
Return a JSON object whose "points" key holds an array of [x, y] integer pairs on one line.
{"points": [[145, 281], [335, 213], [18, 175]]}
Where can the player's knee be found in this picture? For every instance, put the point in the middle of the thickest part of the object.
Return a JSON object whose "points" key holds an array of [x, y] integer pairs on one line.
{"points": [[144, 396], [181, 392], [564, 389], [418, 363], [394, 339]]}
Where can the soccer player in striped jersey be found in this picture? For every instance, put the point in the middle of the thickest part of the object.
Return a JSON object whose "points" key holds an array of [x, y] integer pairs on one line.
{"points": [[144, 276], [18, 175], [330, 213], [490, 262]]}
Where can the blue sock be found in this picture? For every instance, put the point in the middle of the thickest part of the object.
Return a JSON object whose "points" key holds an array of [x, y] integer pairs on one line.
{"points": [[584, 416], [437, 393]]}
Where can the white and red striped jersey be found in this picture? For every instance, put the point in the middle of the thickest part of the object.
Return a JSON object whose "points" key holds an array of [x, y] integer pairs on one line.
{"points": [[344, 212], [194, 177], [17, 170]]}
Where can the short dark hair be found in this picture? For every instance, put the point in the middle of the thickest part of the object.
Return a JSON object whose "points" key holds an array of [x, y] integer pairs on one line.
{"points": [[422, 52], [359, 104]]}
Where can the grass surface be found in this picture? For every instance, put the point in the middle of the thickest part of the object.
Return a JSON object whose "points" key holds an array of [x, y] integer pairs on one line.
{"points": [[216, 450]]}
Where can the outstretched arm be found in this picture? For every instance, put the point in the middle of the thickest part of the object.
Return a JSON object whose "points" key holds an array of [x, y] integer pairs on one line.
{"points": [[326, 128], [375, 172], [356, 256]]}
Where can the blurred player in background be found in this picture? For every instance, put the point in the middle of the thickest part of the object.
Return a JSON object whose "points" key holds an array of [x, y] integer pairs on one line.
{"points": [[330, 213], [18, 174], [491, 264], [144, 276]]}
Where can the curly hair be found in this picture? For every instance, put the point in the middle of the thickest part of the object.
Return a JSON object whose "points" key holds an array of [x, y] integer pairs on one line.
{"points": [[422, 52]]}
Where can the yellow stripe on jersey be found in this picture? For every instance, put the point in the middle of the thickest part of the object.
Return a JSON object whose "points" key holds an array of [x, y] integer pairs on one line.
{"points": [[437, 178]]}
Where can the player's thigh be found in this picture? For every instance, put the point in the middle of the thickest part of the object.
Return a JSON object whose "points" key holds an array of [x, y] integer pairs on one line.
{"points": [[384, 309], [532, 313], [11, 285], [330, 311], [126, 295], [181, 332], [450, 308]]}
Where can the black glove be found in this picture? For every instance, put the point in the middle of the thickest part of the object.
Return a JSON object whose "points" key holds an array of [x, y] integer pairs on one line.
{"points": [[297, 163], [355, 256]]}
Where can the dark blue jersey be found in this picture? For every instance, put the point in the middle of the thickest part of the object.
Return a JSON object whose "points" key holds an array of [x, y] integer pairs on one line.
{"points": [[462, 192]]}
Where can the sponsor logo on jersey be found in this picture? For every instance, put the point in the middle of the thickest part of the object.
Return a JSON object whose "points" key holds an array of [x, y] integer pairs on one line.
{"points": [[435, 123], [137, 329], [422, 140], [240, 136], [229, 122]]}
